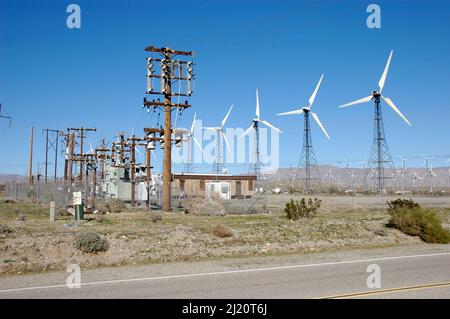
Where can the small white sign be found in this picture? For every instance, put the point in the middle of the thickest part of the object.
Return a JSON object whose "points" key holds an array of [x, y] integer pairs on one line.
{"points": [[77, 198]]}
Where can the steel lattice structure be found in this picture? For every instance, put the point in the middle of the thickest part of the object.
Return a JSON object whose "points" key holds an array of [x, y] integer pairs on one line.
{"points": [[380, 158]]}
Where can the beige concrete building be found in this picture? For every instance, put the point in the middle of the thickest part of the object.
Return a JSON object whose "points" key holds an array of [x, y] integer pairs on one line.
{"points": [[227, 186]]}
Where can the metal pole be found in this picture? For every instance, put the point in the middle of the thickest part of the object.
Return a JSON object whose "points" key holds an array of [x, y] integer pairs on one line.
{"points": [[56, 154], [30, 174], [46, 154]]}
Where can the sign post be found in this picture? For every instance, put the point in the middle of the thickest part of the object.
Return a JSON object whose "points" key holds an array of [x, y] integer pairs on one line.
{"points": [[78, 204]]}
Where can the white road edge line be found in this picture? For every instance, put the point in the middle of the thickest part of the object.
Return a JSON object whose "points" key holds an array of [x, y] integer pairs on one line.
{"points": [[226, 272]]}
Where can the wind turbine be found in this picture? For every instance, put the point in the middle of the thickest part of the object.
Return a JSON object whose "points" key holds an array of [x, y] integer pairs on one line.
{"points": [[218, 162], [190, 137], [308, 158], [415, 179], [380, 154], [256, 166], [403, 173], [430, 174], [330, 177]]}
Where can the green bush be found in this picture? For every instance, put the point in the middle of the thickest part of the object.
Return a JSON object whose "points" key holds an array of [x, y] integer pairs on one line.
{"points": [[90, 243], [399, 203], [415, 221], [302, 209]]}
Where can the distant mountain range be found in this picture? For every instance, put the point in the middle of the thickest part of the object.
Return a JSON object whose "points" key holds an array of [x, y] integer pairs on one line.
{"points": [[345, 178]]}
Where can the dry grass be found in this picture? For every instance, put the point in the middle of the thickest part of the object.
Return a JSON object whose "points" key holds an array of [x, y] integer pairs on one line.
{"points": [[37, 245]]}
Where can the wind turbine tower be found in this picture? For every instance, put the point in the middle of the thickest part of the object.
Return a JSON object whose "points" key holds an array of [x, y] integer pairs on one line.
{"points": [[188, 167], [255, 167], [380, 157], [218, 161], [308, 158]]}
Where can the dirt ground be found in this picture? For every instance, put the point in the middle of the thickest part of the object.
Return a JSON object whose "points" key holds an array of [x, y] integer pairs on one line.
{"points": [[37, 245]]}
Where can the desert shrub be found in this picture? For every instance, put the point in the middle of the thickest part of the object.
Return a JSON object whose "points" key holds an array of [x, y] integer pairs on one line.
{"points": [[399, 203], [115, 205], [112, 205], [31, 194], [155, 217], [5, 229], [90, 243], [199, 205], [302, 209], [415, 221], [222, 231]]}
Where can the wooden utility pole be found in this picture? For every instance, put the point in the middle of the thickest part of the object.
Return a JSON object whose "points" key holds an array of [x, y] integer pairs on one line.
{"points": [[81, 131], [133, 171], [71, 151], [151, 139], [148, 167], [168, 67], [66, 156], [30, 173]]}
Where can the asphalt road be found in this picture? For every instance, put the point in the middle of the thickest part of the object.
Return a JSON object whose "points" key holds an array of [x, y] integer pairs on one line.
{"points": [[422, 273]]}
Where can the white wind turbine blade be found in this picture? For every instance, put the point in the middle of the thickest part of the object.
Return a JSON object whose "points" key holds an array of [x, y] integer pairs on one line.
{"points": [[193, 122], [226, 116], [197, 143], [271, 126], [392, 105], [313, 96], [363, 100], [386, 69], [314, 115], [299, 111], [246, 131], [226, 140], [257, 104]]}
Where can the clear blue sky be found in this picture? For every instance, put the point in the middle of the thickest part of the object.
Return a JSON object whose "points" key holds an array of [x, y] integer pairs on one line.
{"points": [[52, 76]]}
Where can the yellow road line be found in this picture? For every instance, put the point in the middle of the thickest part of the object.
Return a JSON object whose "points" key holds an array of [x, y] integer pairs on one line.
{"points": [[386, 291]]}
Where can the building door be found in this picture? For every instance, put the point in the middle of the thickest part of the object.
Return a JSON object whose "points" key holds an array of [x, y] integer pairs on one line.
{"points": [[238, 188]]}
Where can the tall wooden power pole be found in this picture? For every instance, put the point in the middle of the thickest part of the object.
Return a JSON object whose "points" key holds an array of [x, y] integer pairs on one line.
{"points": [[81, 131], [169, 66]]}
